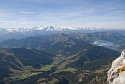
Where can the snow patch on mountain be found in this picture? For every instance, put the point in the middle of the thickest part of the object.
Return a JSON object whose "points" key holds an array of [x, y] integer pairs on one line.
{"points": [[50, 28]]}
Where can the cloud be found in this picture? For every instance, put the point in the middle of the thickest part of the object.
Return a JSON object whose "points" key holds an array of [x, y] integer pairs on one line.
{"points": [[63, 12], [24, 23], [7, 21], [27, 12]]}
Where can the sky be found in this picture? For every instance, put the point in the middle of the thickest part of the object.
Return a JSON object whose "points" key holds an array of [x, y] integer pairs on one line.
{"points": [[90, 13]]}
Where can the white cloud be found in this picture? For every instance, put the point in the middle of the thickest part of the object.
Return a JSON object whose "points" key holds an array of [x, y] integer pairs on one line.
{"points": [[7, 21], [27, 12], [24, 23]]}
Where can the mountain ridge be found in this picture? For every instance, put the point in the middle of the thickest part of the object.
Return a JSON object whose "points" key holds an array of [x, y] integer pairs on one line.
{"points": [[106, 39], [69, 58], [19, 33], [48, 28]]}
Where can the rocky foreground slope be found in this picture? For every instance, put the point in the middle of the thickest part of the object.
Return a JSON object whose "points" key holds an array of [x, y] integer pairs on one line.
{"points": [[116, 75]]}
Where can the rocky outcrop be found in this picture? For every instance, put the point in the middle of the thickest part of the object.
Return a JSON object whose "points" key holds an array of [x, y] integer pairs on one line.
{"points": [[116, 75]]}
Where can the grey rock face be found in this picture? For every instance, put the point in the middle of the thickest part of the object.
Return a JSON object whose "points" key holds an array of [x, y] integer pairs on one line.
{"points": [[114, 74]]}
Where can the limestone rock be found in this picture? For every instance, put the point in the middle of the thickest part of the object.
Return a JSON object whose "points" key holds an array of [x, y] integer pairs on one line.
{"points": [[116, 75]]}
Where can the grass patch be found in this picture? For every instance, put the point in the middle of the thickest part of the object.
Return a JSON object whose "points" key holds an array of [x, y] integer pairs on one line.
{"points": [[68, 69]]}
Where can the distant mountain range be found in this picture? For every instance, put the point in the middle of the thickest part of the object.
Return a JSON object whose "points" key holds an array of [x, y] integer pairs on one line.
{"points": [[19, 33], [106, 39], [58, 55], [49, 28]]}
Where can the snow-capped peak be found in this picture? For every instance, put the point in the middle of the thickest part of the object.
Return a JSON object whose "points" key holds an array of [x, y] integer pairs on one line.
{"points": [[49, 28]]}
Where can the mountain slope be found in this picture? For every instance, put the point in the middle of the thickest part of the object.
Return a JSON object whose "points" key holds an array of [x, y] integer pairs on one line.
{"points": [[106, 39], [80, 68], [74, 61], [17, 60], [51, 44]]}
